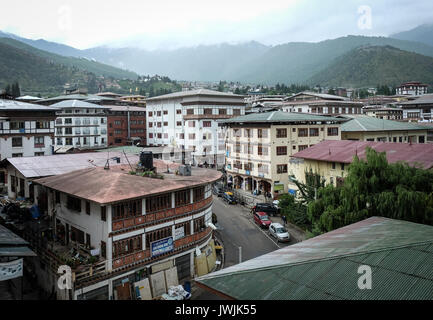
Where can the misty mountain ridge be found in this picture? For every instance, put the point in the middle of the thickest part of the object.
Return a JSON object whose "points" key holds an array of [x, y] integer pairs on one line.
{"points": [[423, 34]]}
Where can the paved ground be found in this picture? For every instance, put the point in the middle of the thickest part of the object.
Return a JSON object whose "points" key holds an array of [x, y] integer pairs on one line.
{"points": [[237, 229]]}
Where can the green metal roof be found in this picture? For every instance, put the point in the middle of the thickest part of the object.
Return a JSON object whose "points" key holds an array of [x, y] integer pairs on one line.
{"points": [[366, 123], [399, 253], [279, 117]]}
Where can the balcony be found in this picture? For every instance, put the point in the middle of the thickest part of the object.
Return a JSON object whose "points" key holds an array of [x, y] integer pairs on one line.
{"points": [[128, 225]]}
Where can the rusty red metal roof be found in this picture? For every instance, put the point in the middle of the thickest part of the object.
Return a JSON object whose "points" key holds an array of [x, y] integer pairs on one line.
{"points": [[117, 184], [420, 155]]}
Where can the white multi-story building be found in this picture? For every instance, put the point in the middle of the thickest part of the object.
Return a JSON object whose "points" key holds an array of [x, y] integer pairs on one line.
{"points": [[80, 125], [412, 89], [189, 120], [26, 130]]}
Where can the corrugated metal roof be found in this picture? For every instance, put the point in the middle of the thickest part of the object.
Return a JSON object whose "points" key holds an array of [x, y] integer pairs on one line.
{"points": [[344, 151], [33, 167], [23, 106], [326, 267], [281, 117], [77, 104], [366, 123], [204, 92]]}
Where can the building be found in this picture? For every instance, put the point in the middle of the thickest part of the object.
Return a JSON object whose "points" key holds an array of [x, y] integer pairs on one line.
{"points": [[168, 153], [26, 130], [20, 172], [126, 126], [91, 98], [109, 95], [331, 159], [140, 230], [384, 112], [259, 146], [413, 88], [420, 109], [327, 267], [28, 99], [189, 120], [135, 100], [320, 103], [365, 128], [80, 125]]}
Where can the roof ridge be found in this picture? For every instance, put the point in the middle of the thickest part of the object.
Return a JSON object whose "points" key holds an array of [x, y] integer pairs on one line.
{"points": [[322, 259]]}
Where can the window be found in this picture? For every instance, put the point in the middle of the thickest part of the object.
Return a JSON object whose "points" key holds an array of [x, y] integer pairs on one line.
{"points": [[150, 114], [68, 130], [199, 225], [249, 133], [165, 112], [165, 124], [127, 246], [281, 151], [190, 111], [222, 112], [262, 133], [191, 136], [158, 235], [198, 194], [159, 113], [73, 203], [301, 148], [39, 154], [103, 250], [342, 166], [178, 111], [263, 168], [158, 203], [262, 151], [179, 123], [17, 142], [104, 213], [57, 196], [17, 155], [314, 132], [182, 198], [282, 168], [207, 124], [302, 132], [248, 166], [39, 142], [68, 121], [191, 124], [332, 131], [126, 210], [42, 124], [17, 125], [236, 112], [208, 111], [281, 133], [333, 166]]}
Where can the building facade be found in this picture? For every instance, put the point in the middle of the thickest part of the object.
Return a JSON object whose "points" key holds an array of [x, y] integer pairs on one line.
{"points": [[365, 128], [412, 89], [141, 227], [189, 120], [420, 109], [80, 125], [259, 147], [126, 126], [322, 104], [383, 112]]}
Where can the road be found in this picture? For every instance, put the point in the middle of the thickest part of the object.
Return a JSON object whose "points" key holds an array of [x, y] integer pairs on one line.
{"points": [[236, 228]]}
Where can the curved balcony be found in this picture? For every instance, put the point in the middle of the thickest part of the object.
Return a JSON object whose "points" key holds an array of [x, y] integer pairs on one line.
{"points": [[131, 224]]}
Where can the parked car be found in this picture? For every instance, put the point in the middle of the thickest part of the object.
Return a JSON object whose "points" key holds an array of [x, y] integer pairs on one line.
{"points": [[228, 197], [269, 208], [279, 232], [218, 191], [262, 219]]}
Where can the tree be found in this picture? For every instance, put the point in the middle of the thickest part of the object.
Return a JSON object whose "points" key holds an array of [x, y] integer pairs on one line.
{"points": [[331, 91], [374, 187]]}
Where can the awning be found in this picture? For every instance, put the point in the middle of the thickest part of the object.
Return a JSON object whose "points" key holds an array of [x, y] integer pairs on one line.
{"points": [[16, 252]]}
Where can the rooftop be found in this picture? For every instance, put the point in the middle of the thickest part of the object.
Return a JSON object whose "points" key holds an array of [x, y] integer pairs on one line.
{"points": [[400, 254], [199, 92], [281, 117], [138, 150], [318, 95], [366, 123], [77, 104], [425, 99], [78, 96], [33, 167], [115, 185], [126, 108], [22, 106], [344, 151]]}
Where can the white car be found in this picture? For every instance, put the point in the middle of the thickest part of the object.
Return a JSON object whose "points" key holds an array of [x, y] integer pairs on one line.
{"points": [[279, 232]]}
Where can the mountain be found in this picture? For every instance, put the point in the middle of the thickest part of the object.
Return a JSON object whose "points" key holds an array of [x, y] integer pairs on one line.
{"points": [[370, 66], [97, 68], [37, 74], [423, 33], [44, 45], [249, 63], [201, 63]]}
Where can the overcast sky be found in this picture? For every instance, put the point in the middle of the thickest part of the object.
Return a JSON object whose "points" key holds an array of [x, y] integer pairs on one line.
{"points": [[177, 23]]}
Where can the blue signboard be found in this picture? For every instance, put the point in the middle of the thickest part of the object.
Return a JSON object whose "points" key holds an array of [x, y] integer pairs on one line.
{"points": [[162, 246]]}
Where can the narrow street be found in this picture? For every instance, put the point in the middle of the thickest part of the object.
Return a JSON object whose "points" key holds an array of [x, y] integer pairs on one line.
{"points": [[237, 229]]}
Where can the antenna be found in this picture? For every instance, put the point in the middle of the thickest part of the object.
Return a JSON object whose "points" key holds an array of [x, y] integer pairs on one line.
{"points": [[107, 164], [127, 160]]}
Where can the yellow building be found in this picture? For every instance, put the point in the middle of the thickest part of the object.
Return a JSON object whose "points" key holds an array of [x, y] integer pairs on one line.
{"points": [[259, 146], [331, 159], [365, 128]]}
